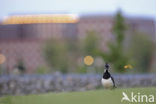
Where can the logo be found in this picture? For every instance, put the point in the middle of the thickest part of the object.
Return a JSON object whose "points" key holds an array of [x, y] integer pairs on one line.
{"points": [[125, 97], [137, 97]]}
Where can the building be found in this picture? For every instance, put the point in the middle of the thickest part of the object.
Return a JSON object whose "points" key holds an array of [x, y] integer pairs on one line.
{"points": [[22, 37]]}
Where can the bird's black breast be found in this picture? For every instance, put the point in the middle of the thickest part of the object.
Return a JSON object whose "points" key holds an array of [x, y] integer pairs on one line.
{"points": [[106, 75]]}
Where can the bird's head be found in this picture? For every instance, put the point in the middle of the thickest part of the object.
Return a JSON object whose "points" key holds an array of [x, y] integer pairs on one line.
{"points": [[106, 73], [106, 66]]}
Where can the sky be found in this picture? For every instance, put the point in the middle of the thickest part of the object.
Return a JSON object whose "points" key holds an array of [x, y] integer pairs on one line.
{"points": [[134, 8]]}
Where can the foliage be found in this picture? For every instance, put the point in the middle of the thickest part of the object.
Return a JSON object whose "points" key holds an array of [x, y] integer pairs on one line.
{"points": [[65, 54], [116, 54], [141, 49], [56, 54], [119, 29], [62, 54], [20, 66], [42, 70], [91, 44]]}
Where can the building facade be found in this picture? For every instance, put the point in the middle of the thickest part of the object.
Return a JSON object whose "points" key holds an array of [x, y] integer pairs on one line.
{"points": [[23, 37]]}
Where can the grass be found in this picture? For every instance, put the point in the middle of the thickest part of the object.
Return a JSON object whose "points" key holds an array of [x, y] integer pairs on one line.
{"points": [[87, 97]]}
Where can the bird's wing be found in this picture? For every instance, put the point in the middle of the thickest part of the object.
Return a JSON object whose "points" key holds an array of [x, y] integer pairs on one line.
{"points": [[113, 82]]}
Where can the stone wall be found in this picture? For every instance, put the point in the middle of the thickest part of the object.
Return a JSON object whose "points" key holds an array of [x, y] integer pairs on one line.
{"points": [[32, 84]]}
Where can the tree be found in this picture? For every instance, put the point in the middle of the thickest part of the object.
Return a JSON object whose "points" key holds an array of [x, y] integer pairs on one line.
{"points": [[61, 54], [55, 53], [141, 49], [91, 44], [116, 54]]}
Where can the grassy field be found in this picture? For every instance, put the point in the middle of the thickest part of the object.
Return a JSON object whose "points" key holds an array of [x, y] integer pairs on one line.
{"points": [[87, 97]]}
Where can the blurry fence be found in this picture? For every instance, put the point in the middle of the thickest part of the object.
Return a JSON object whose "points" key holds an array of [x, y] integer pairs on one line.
{"points": [[30, 84]]}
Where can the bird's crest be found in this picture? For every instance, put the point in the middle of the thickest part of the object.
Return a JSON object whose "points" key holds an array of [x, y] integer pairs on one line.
{"points": [[106, 66]]}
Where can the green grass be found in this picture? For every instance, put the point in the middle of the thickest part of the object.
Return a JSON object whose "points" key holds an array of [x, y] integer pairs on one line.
{"points": [[87, 97]]}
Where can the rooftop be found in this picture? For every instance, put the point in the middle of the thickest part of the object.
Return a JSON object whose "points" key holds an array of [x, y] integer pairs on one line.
{"points": [[41, 18]]}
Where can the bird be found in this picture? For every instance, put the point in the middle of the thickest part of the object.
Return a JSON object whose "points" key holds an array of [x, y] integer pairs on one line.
{"points": [[107, 80]]}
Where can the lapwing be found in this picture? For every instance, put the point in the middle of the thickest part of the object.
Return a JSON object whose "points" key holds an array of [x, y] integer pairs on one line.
{"points": [[107, 80]]}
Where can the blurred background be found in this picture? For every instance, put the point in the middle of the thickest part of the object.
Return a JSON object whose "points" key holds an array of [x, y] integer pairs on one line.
{"points": [[53, 39]]}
